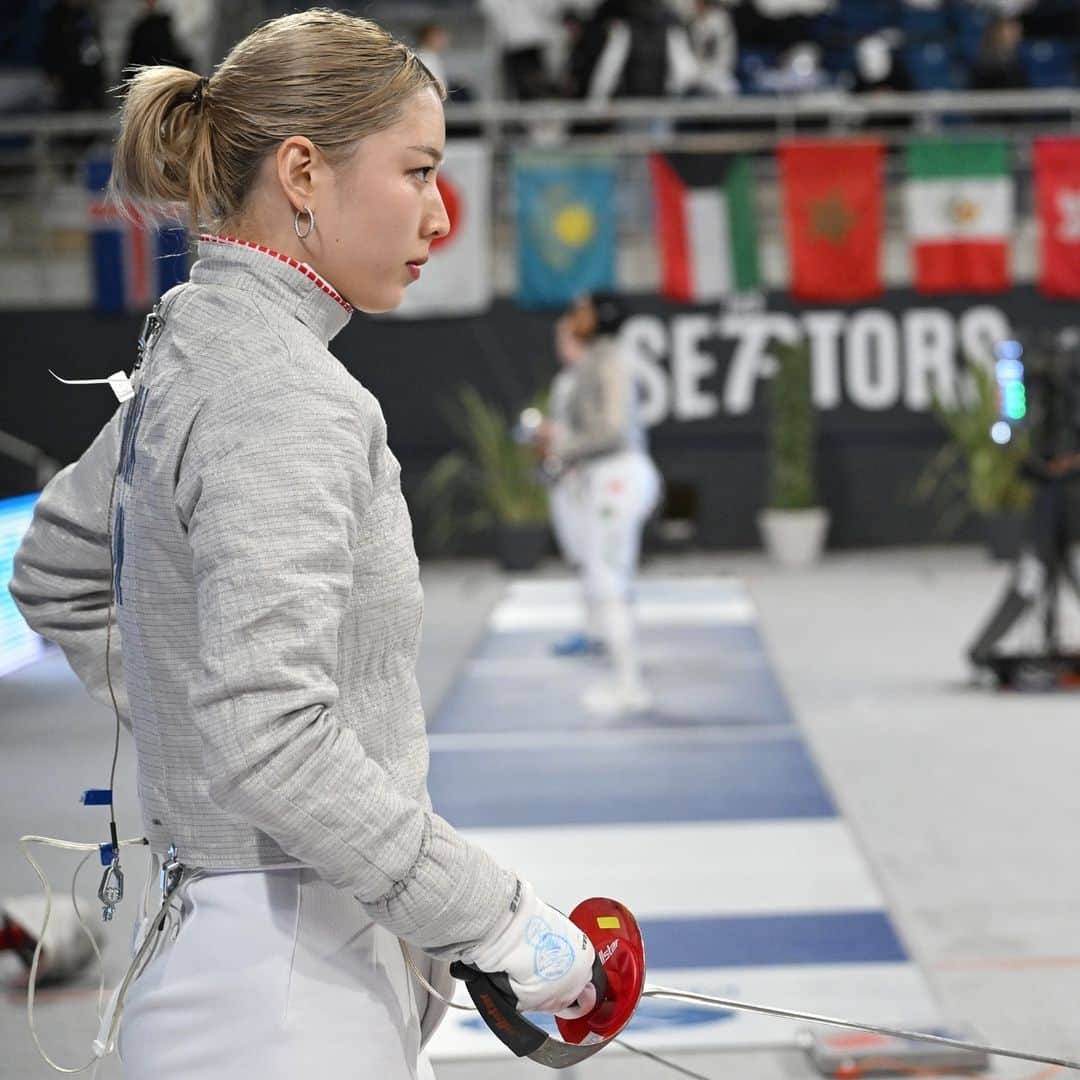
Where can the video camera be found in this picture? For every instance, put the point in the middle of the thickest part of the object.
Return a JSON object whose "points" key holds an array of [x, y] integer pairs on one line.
{"points": [[1039, 391]]}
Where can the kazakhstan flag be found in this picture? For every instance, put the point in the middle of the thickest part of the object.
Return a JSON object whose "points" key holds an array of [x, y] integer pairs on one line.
{"points": [[566, 227]]}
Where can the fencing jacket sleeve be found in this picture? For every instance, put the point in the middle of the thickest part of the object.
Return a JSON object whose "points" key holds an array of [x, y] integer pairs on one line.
{"points": [[598, 409], [61, 576]]}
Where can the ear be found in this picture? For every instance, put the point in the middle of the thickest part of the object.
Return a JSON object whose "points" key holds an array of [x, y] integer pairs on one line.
{"points": [[300, 168]]}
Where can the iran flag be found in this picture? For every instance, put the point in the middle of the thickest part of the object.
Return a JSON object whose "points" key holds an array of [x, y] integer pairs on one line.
{"points": [[457, 277], [959, 209], [706, 227]]}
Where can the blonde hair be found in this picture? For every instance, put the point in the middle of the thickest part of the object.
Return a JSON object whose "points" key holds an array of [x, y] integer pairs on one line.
{"points": [[329, 76]]}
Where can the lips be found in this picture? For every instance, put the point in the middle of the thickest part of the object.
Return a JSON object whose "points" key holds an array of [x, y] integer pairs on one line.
{"points": [[414, 267]]}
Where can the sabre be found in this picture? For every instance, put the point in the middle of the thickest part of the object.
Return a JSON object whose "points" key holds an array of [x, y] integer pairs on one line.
{"points": [[619, 978]]}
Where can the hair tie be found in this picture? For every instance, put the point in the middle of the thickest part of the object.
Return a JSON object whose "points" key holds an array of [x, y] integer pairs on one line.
{"points": [[200, 89]]}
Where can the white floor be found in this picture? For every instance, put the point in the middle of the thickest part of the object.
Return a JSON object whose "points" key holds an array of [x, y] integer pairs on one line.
{"points": [[964, 801]]}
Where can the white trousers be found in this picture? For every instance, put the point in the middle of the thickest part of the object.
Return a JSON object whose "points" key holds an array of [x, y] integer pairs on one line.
{"points": [[568, 506], [621, 491], [272, 974]]}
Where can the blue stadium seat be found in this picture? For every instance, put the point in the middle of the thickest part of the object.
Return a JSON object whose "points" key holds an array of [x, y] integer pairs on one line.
{"points": [[1048, 63], [931, 67], [968, 26], [20, 33], [862, 17], [751, 62], [924, 24]]}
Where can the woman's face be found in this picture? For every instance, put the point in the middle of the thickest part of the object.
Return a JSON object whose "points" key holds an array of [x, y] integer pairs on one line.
{"points": [[383, 210], [583, 318]]}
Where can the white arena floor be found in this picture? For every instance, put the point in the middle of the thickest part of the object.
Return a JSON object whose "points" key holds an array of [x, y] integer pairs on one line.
{"points": [[953, 805]]}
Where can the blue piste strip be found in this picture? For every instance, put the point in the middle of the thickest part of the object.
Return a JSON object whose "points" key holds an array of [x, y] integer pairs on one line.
{"points": [[855, 937], [493, 787]]}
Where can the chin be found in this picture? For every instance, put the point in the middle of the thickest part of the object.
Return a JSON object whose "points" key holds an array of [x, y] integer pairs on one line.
{"points": [[375, 305]]}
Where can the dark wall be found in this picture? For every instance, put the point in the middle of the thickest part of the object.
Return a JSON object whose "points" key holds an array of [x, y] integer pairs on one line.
{"points": [[874, 365]]}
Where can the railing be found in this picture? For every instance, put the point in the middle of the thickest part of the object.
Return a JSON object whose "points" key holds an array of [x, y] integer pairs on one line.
{"points": [[41, 215], [504, 120]]}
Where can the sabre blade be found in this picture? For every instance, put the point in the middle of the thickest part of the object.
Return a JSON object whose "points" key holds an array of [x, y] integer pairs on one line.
{"points": [[877, 1029]]}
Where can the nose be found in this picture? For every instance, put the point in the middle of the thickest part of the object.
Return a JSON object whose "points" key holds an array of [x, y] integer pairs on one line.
{"points": [[436, 219]]}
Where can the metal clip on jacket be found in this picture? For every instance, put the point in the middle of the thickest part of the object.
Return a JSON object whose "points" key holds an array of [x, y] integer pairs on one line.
{"points": [[172, 874]]}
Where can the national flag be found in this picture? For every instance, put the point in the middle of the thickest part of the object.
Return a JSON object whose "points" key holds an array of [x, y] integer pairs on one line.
{"points": [[133, 261], [1057, 201], [832, 193], [706, 225], [457, 277], [958, 202], [565, 227]]}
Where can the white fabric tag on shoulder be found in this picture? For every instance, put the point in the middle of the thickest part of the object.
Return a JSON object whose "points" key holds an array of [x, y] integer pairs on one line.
{"points": [[118, 380]]}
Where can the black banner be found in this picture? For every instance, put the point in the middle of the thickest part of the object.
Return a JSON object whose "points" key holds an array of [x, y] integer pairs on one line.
{"points": [[875, 370]]}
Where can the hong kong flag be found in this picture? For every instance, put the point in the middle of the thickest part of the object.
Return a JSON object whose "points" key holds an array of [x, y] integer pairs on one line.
{"points": [[1057, 200], [833, 217]]}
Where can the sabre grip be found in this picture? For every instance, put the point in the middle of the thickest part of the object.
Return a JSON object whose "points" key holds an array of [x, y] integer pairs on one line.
{"points": [[497, 1005]]}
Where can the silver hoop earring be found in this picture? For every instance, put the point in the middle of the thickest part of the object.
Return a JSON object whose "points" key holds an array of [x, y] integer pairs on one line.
{"points": [[311, 223]]}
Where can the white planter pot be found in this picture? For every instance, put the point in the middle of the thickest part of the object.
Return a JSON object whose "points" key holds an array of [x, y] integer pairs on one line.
{"points": [[794, 537]]}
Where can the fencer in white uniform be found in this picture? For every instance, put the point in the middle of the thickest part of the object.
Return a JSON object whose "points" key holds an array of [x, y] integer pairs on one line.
{"points": [[603, 441], [230, 565], [567, 503]]}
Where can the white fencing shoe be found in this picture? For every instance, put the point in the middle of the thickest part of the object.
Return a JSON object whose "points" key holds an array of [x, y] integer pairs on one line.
{"points": [[617, 699]]}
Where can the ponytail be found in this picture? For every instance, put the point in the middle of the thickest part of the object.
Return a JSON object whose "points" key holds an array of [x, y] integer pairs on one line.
{"points": [[164, 153]]}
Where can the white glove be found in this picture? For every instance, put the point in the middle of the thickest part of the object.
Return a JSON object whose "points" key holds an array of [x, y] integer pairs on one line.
{"points": [[547, 959]]}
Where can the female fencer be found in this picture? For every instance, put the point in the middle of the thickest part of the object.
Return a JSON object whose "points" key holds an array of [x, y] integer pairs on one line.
{"points": [[602, 441], [566, 492], [238, 534]]}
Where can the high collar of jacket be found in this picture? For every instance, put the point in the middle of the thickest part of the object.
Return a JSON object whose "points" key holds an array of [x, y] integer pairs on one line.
{"points": [[294, 286]]}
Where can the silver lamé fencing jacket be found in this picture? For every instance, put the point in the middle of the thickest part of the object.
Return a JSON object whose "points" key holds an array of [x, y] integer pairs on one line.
{"points": [[268, 604]]}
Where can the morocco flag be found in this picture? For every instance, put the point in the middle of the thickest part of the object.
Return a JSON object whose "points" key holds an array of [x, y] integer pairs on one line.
{"points": [[706, 227], [959, 207], [833, 216], [1057, 200]]}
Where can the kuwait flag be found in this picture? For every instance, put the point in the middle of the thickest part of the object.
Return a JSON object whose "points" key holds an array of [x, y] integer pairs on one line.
{"points": [[1057, 198], [705, 224], [959, 208]]}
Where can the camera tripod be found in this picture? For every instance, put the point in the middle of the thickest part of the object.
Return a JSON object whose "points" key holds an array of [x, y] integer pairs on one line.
{"points": [[1039, 573]]}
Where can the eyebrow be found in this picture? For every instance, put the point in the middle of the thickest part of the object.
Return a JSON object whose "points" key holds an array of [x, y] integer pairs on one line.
{"points": [[436, 154]]}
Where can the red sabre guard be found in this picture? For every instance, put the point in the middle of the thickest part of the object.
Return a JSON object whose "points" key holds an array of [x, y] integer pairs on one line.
{"points": [[619, 948], [618, 975]]}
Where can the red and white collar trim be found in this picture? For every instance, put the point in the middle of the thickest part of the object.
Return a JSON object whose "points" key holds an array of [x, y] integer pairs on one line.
{"points": [[287, 259]]}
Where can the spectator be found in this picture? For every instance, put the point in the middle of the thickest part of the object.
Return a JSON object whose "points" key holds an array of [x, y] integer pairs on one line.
{"points": [[998, 66], [646, 53], [712, 38], [525, 30], [878, 68], [583, 42], [432, 40], [153, 40], [72, 56]]}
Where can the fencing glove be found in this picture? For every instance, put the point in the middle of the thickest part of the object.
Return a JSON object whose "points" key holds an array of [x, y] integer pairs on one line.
{"points": [[547, 960]]}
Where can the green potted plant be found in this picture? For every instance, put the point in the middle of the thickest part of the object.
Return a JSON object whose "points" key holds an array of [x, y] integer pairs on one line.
{"points": [[793, 525], [491, 483], [971, 473]]}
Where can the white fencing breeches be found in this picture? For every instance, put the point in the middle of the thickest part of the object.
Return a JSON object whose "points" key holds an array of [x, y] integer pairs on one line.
{"points": [[623, 489], [272, 974], [569, 516]]}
